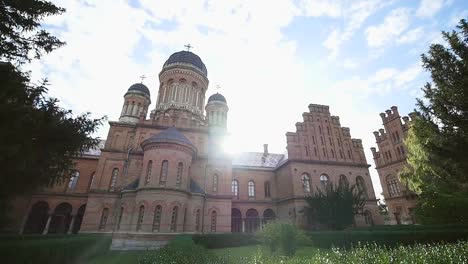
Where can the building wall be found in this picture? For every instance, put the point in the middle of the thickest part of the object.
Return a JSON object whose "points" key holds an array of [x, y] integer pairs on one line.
{"points": [[390, 159]]}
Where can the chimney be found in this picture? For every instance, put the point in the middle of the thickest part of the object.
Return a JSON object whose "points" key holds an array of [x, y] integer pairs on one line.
{"points": [[265, 150]]}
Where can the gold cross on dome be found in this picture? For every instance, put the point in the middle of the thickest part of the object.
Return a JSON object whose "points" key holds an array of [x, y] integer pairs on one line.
{"points": [[188, 46], [217, 88], [142, 77]]}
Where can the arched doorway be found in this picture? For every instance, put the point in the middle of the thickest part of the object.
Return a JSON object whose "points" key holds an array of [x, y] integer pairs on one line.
{"points": [[236, 220], [79, 219], [37, 218], [268, 216], [252, 221], [61, 219]]}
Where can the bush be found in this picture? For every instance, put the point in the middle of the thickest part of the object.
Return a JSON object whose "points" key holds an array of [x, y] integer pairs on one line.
{"points": [[180, 250], [212, 241], [282, 236], [52, 248]]}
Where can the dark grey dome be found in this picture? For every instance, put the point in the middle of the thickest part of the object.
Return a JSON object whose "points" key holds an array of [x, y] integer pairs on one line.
{"points": [[217, 97], [187, 57], [139, 87], [167, 136]]}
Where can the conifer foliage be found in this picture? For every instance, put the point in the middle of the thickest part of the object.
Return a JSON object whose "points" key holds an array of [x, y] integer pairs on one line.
{"points": [[438, 138]]}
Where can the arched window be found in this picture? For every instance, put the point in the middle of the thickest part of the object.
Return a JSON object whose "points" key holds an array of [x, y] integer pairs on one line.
{"points": [[305, 182], [174, 219], [113, 181], [361, 185], [91, 180], [213, 221], [343, 180], [157, 218], [104, 216], [73, 180], [180, 171], [120, 217], [148, 172], [393, 187], [163, 176], [267, 189], [324, 180], [215, 182], [235, 188], [197, 220], [251, 187], [141, 214], [368, 218]]}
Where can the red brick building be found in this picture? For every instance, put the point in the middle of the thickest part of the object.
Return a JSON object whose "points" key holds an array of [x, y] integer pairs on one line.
{"points": [[390, 159], [168, 174]]}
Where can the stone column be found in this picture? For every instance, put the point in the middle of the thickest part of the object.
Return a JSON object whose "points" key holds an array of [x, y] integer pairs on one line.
{"points": [[72, 222], [25, 219], [243, 225], [46, 228], [261, 224]]}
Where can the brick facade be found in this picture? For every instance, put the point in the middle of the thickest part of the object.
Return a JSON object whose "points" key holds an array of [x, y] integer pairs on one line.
{"points": [[167, 173]]}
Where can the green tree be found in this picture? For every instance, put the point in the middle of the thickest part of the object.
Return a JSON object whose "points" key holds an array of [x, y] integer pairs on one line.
{"points": [[38, 139], [335, 205], [438, 138]]}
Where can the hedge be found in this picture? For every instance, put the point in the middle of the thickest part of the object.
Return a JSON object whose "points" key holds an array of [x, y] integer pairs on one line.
{"points": [[225, 240], [347, 238], [52, 249]]}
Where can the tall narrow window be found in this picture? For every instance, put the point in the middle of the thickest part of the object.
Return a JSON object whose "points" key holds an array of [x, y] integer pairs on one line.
{"points": [[328, 130], [141, 214], [324, 180], [120, 217], [393, 187], [157, 218], [305, 182], [180, 171], [251, 186], [213, 221], [215, 182], [343, 180], [333, 153], [174, 219], [361, 185], [113, 181], [163, 176], [267, 189], [235, 188], [148, 172], [73, 180], [197, 220], [349, 154], [104, 216], [91, 180]]}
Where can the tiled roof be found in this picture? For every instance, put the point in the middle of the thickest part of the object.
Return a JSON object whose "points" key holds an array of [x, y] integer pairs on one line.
{"points": [[195, 188], [169, 134], [187, 57], [133, 185], [255, 159]]}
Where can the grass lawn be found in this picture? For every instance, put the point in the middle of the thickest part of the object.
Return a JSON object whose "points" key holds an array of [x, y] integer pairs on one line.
{"points": [[117, 257], [251, 250]]}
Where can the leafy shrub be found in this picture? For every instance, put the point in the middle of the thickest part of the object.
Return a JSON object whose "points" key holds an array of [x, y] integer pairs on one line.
{"points": [[282, 236], [180, 250], [212, 241]]}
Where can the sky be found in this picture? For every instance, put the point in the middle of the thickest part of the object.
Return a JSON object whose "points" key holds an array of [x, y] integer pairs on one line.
{"points": [[271, 59]]}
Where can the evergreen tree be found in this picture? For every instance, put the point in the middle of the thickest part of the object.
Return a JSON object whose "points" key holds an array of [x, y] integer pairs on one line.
{"points": [[438, 138], [335, 205], [38, 139]]}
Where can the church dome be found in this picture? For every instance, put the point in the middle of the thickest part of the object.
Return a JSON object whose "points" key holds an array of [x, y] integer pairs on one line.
{"points": [[170, 135], [217, 97], [187, 57], [139, 87]]}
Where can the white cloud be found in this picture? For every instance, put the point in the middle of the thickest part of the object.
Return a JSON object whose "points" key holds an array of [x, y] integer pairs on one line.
{"points": [[316, 8], [395, 23], [456, 17], [411, 36], [354, 16], [349, 64], [428, 8]]}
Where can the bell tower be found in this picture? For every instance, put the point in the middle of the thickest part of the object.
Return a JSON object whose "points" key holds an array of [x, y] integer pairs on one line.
{"points": [[136, 102], [183, 84]]}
